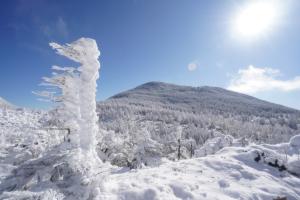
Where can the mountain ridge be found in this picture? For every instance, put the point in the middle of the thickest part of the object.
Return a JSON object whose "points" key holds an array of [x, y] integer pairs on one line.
{"points": [[153, 89]]}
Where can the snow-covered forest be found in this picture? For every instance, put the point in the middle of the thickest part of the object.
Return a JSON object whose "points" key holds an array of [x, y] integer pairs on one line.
{"points": [[158, 114], [156, 141]]}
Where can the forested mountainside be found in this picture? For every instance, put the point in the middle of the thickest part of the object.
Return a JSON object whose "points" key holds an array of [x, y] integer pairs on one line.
{"points": [[163, 113], [201, 99]]}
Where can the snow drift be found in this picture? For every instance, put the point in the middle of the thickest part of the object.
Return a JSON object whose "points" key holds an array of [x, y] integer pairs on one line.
{"points": [[231, 173]]}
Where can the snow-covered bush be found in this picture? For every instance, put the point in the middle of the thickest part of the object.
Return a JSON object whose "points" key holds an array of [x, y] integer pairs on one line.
{"points": [[283, 156], [295, 142], [215, 144]]}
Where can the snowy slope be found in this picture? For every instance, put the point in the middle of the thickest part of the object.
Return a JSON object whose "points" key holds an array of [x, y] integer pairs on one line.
{"points": [[19, 124], [23, 136], [232, 173]]}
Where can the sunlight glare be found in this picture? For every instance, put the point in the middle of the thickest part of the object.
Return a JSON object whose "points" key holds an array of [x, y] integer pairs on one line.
{"points": [[255, 19]]}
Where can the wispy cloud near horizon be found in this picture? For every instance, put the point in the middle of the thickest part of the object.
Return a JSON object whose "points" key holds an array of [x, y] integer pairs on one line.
{"points": [[254, 79]]}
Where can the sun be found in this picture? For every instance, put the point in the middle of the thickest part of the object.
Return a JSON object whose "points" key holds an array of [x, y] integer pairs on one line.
{"points": [[255, 19]]}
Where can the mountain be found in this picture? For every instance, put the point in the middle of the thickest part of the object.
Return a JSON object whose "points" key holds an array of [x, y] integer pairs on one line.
{"points": [[5, 104], [195, 99], [158, 115]]}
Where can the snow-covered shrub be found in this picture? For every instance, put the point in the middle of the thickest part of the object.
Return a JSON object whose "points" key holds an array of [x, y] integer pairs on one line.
{"points": [[283, 156], [215, 144], [295, 142]]}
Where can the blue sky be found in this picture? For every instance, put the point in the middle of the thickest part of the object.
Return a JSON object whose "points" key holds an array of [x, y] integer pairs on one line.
{"points": [[191, 42]]}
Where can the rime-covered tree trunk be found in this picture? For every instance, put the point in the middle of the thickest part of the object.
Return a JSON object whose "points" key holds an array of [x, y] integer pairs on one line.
{"points": [[89, 119]]}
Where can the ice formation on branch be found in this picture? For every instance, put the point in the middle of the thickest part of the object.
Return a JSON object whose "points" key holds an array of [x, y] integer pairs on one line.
{"points": [[63, 89]]}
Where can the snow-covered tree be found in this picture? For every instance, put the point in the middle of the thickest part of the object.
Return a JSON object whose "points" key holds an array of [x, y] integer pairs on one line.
{"points": [[75, 92], [73, 89], [85, 51]]}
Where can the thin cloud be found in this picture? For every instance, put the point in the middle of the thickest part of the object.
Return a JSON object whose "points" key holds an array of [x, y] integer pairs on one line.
{"points": [[254, 79], [192, 66], [61, 27], [46, 30], [58, 28]]}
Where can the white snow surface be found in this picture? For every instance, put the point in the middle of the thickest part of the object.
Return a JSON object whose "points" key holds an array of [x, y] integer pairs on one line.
{"points": [[229, 172]]}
